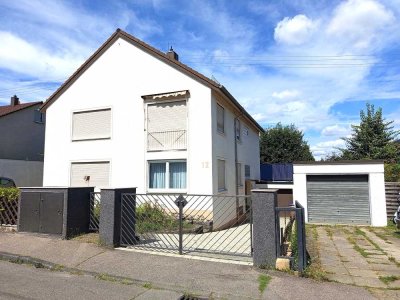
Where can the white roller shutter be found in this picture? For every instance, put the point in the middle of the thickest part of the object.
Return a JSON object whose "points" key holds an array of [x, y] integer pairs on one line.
{"points": [[99, 173], [170, 116], [94, 124]]}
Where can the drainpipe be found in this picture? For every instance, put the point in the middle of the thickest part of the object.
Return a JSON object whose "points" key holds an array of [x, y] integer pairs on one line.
{"points": [[236, 168]]}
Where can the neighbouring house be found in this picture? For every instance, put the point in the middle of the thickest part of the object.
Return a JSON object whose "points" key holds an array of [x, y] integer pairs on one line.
{"points": [[22, 142], [134, 116]]}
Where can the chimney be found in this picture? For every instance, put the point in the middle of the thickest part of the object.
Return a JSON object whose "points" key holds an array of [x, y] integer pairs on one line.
{"points": [[172, 54], [14, 100]]}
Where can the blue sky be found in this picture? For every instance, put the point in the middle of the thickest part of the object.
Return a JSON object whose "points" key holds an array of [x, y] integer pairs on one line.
{"points": [[311, 63]]}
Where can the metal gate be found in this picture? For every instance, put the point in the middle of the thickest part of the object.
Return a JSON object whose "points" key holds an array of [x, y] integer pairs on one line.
{"points": [[94, 211], [187, 224]]}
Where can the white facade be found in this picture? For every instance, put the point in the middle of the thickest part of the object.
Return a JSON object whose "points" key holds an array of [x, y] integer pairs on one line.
{"points": [[376, 179], [118, 81]]}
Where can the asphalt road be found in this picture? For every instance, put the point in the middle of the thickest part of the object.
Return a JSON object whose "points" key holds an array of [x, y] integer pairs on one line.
{"points": [[27, 282]]}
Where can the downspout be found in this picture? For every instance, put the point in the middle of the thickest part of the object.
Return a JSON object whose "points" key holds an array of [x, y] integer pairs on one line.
{"points": [[236, 167]]}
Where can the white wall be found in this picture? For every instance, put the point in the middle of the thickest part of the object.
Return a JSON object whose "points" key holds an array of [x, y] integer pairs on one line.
{"points": [[248, 149], [117, 80], [376, 184], [24, 173]]}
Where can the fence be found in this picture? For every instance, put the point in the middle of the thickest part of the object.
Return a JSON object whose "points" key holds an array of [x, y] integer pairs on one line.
{"points": [[94, 211], [8, 212], [392, 190], [186, 224], [291, 235]]}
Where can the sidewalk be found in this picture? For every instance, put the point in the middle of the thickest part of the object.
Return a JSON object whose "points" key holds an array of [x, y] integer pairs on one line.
{"points": [[204, 278]]}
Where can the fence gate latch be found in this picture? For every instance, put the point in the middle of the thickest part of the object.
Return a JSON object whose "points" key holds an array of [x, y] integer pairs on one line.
{"points": [[180, 201]]}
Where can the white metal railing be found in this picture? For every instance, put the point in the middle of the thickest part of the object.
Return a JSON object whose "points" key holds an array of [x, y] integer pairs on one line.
{"points": [[166, 140]]}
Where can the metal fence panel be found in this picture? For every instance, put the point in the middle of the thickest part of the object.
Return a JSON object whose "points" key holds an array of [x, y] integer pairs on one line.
{"points": [[8, 212], [94, 211], [187, 224], [290, 230]]}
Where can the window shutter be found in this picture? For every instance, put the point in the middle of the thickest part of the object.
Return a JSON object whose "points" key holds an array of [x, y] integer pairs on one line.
{"points": [[170, 116], [220, 119], [94, 124], [221, 175], [99, 173]]}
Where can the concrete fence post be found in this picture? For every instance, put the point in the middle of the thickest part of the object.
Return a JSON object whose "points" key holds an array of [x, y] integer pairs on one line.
{"points": [[110, 215], [264, 202]]}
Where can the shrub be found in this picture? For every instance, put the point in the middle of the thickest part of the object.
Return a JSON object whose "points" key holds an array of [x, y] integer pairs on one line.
{"points": [[152, 218], [9, 194], [392, 172]]}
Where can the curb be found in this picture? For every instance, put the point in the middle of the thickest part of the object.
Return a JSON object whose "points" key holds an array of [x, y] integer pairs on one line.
{"points": [[39, 263]]}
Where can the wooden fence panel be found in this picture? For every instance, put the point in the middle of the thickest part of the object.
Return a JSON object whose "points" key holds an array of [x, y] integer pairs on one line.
{"points": [[392, 192]]}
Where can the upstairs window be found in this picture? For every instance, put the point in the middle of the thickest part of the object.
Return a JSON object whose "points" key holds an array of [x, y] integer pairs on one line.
{"points": [[91, 125], [247, 173], [220, 119], [238, 130], [38, 117], [166, 126]]}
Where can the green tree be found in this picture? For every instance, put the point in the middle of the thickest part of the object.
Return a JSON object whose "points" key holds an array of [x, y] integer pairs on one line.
{"points": [[373, 138], [282, 144]]}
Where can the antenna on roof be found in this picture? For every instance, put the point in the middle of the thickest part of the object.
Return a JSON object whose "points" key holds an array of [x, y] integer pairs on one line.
{"points": [[215, 79]]}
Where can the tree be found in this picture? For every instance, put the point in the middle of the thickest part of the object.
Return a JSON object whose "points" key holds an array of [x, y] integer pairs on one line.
{"points": [[283, 144], [373, 138]]}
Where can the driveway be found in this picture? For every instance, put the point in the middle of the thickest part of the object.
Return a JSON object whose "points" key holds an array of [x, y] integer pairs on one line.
{"points": [[362, 256]]}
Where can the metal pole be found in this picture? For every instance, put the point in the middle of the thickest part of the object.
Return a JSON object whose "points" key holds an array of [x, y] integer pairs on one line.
{"points": [[180, 228]]}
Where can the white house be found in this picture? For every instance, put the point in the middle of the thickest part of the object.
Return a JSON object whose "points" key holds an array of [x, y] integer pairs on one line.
{"points": [[134, 116]]}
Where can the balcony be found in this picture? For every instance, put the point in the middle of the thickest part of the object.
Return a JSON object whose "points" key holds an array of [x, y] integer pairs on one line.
{"points": [[166, 140]]}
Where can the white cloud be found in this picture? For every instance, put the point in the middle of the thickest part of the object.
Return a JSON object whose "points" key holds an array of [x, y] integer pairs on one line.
{"points": [[294, 31], [322, 149], [20, 56], [335, 130], [286, 94], [359, 22]]}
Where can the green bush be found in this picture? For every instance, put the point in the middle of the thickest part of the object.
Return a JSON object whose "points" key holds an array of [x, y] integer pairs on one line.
{"points": [[294, 244], [392, 172], [152, 218], [9, 194]]}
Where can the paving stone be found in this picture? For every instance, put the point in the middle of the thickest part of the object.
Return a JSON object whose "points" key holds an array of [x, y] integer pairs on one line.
{"points": [[394, 284], [386, 268], [347, 279], [338, 270], [388, 273], [369, 282], [363, 273]]}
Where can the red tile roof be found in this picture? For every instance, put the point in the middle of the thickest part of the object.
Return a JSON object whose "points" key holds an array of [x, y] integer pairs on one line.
{"points": [[8, 109]]}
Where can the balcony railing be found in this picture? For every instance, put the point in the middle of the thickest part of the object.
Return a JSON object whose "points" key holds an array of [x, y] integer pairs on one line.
{"points": [[166, 140]]}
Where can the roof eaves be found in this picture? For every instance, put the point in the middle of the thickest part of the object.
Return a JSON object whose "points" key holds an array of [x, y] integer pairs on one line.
{"points": [[27, 105]]}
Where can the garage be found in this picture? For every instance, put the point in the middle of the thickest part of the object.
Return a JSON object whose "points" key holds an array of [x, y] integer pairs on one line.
{"points": [[338, 199], [341, 192]]}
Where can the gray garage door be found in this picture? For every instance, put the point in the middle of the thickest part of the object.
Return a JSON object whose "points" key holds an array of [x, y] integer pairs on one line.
{"points": [[338, 199]]}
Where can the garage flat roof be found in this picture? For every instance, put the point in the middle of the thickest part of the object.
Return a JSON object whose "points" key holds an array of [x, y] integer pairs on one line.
{"points": [[340, 162]]}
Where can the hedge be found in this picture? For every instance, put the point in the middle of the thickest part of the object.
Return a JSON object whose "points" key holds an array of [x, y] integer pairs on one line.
{"points": [[9, 194]]}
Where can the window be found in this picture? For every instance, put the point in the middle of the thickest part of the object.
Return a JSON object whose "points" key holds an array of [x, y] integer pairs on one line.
{"points": [[38, 117], [221, 175], [239, 174], [247, 173], [91, 125], [167, 175], [220, 119], [90, 174], [166, 126], [238, 130]]}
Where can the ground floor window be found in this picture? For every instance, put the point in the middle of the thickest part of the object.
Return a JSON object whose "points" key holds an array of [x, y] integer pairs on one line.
{"points": [[167, 175], [221, 175]]}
